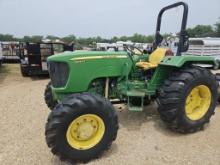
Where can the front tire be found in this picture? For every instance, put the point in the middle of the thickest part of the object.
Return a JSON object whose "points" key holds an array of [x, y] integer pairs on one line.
{"points": [[81, 127], [188, 99], [48, 97]]}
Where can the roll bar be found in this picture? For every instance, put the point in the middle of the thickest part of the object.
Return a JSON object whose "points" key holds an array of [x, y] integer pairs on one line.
{"points": [[183, 37]]}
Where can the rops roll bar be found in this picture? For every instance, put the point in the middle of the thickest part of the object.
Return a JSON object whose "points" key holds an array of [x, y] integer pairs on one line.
{"points": [[183, 37]]}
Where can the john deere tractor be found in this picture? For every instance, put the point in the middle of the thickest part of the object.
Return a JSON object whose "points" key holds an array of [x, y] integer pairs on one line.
{"points": [[83, 122]]}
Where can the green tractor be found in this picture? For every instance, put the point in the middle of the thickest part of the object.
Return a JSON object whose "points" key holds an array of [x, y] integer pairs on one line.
{"points": [[83, 122]]}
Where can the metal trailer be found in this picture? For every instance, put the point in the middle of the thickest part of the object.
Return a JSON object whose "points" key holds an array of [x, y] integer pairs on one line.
{"points": [[204, 47], [1, 56], [10, 52], [33, 56]]}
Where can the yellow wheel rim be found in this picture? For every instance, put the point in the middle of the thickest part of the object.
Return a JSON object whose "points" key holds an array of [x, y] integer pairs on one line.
{"points": [[85, 131], [198, 102]]}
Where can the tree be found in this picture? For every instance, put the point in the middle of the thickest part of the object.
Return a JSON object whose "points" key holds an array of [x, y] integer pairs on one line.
{"points": [[217, 28], [6, 37], [114, 39], [52, 38], [69, 38], [149, 39], [200, 31], [35, 38]]}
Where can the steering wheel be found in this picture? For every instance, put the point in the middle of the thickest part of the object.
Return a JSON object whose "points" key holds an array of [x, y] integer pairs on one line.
{"points": [[130, 49], [165, 42]]}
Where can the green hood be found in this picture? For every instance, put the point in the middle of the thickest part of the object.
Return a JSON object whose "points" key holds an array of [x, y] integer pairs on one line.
{"points": [[77, 54]]}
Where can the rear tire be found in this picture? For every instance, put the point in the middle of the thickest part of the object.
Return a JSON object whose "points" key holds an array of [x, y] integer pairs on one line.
{"points": [[70, 110], [48, 97], [173, 97]]}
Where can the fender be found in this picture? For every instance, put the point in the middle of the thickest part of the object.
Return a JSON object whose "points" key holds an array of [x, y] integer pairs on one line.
{"points": [[180, 61]]}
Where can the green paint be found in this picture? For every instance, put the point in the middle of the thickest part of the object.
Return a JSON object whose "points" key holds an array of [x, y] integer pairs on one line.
{"points": [[179, 61], [160, 74], [87, 66], [83, 72]]}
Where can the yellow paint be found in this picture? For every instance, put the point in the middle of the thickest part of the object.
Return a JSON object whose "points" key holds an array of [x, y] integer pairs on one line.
{"points": [[98, 57], [198, 102], [85, 131], [154, 59]]}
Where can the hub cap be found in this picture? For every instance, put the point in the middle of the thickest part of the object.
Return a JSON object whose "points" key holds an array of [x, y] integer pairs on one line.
{"points": [[85, 131], [198, 102]]}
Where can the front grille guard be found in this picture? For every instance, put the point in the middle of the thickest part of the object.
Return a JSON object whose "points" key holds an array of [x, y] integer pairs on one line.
{"points": [[59, 73]]}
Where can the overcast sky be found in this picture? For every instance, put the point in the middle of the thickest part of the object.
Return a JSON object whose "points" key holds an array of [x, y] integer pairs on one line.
{"points": [[106, 18]]}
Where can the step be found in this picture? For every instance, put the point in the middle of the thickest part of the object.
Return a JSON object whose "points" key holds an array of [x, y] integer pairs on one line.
{"points": [[135, 109], [135, 93]]}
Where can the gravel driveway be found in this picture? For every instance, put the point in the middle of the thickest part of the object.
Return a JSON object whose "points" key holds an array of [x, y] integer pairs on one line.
{"points": [[142, 138]]}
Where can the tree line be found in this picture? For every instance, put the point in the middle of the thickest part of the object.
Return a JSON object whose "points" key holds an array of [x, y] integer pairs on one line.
{"points": [[197, 31]]}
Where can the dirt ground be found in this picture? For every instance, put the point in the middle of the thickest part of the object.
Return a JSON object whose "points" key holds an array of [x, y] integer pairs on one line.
{"points": [[142, 138]]}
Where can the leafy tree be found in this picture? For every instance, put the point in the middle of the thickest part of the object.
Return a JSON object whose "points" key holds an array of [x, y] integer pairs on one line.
{"points": [[114, 39], [149, 39], [217, 28], [51, 37], [6, 37], [200, 31], [35, 38], [69, 38]]}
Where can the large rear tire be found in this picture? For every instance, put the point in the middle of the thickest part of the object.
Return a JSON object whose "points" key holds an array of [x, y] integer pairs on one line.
{"points": [[188, 99], [81, 127], [48, 97]]}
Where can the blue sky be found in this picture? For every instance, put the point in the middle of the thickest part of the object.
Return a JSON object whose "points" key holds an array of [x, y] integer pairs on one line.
{"points": [[105, 18]]}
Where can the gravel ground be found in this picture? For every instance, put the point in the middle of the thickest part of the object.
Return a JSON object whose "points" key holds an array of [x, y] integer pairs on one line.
{"points": [[142, 137]]}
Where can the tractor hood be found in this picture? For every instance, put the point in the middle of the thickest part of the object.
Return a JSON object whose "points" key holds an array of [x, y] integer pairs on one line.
{"points": [[78, 69], [86, 55]]}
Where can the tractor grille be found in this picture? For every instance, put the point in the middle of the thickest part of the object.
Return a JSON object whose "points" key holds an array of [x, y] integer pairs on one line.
{"points": [[59, 73]]}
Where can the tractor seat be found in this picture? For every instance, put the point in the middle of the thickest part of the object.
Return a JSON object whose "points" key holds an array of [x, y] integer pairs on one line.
{"points": [[154, 59]]}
